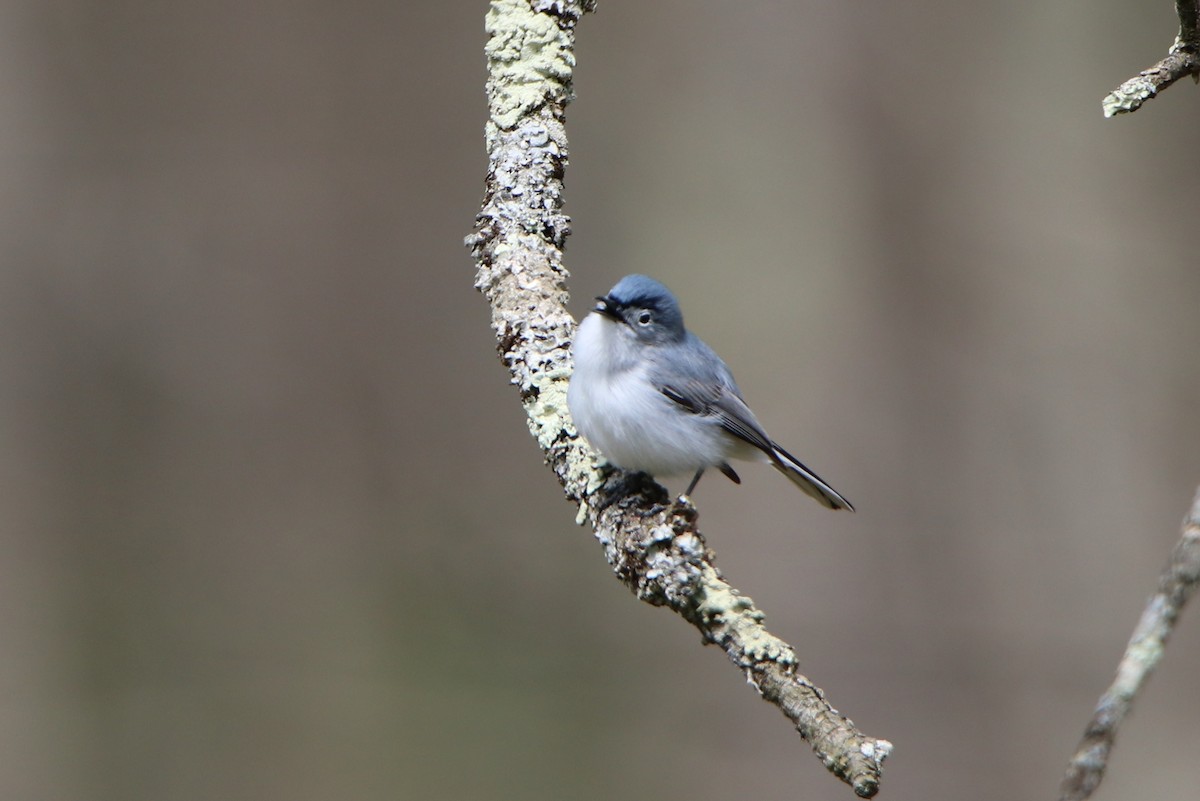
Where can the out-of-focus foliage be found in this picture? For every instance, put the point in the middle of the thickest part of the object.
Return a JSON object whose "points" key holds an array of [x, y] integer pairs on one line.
{"points": [[270, 523]]}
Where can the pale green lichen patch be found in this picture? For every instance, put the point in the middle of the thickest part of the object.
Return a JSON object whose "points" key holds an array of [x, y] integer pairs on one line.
{"points": [[591, 462], [721, 600], [531, 59], [547, 412], [720, 604], [582, 480], [763, 646], [1129, 96]]}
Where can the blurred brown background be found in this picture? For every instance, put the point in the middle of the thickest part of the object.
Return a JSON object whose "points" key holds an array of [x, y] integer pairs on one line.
{"points": [[272, 526]]}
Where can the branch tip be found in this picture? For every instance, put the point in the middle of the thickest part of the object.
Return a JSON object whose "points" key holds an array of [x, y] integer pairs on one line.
{"points": [[1182, 59]]}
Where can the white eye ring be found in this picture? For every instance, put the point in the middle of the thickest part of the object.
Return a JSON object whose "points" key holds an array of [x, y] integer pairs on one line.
{"points": [[644, 318]]}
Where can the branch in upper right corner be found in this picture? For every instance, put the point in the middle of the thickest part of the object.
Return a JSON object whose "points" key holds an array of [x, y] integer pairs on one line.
{"points": [[1182, 59]]}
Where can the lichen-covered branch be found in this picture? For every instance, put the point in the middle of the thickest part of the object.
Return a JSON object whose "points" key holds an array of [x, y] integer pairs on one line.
{"points": [[1146, 647], [653, 544], [656, 549], [1182, 59]]}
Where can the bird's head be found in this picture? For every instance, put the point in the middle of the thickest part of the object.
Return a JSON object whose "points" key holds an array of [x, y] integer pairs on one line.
{"points": [[645, 307]]}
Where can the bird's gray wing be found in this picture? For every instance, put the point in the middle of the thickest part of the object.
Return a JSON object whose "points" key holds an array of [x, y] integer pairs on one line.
{"points": [[717, 400], [705, 387], [735, 417], [697, 380], [695, 377]]}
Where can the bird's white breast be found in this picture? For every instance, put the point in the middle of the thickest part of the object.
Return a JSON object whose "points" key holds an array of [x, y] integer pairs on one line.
{"points": [[622, 413]]}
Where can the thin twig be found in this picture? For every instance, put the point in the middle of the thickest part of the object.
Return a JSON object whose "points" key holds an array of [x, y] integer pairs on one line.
{"points": [[653, 545], [1182, 59], [1146, 647]]}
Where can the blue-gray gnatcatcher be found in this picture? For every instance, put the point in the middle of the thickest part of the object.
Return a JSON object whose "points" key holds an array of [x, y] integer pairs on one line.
{"points": [[652, 397]]}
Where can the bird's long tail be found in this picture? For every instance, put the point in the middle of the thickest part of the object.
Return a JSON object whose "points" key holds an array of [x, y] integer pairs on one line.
{"points": [[807, 480]]}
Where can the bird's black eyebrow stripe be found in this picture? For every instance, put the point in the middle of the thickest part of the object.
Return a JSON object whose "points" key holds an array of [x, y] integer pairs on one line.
{"points": [[642, 302]]}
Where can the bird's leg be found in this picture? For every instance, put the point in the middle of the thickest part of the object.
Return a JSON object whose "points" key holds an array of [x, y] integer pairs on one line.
{"points": [[687, 493]]}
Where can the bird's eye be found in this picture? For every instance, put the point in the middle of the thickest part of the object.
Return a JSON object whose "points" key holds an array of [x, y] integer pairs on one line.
{"points": [[644, 318]]}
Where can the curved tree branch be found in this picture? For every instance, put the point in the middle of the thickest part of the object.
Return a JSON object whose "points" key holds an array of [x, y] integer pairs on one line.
{"points": [[1146, 647], [1182, 59], [653, 545]]}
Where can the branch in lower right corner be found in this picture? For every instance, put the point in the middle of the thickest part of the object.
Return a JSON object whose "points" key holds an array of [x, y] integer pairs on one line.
{"points": [[1175, 586]]}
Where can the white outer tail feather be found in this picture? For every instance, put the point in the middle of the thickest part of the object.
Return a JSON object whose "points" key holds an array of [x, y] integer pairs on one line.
{"points": [[807, 480]]}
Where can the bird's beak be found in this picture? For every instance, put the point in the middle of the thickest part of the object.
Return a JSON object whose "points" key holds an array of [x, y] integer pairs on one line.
{"points": [[606, 308]]}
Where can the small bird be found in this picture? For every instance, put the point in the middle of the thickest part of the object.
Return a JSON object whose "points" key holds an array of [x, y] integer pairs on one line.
{"points": [[652, 397]]}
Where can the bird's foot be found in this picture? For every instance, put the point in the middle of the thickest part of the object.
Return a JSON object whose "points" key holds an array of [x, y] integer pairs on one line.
{"points": [[621, 484]]}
